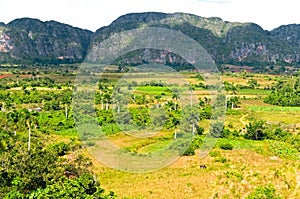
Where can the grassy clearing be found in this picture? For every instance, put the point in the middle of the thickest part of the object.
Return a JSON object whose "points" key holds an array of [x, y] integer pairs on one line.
{"points": [[274, 109], [254, 92], [152, 90], [236, 177], [229, 174]]}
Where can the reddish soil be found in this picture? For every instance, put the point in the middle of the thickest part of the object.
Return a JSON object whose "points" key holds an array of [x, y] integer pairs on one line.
{"points": [[4, 76]]}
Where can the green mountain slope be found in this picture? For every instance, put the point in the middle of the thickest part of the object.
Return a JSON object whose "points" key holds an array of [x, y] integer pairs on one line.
{"points": [[227, 42], [33, 41]]}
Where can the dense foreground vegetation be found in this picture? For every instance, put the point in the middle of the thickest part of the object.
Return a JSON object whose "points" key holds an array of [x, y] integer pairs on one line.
{"points": [[52, 170], [256, 154]]}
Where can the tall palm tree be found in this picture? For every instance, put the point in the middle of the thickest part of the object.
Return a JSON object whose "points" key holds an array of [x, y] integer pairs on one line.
{"points": [[66, 103], [106, 98], [192, 118], [29, 119]]}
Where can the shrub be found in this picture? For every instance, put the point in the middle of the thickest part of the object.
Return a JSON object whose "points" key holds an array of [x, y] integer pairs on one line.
{"points": [[60, 148], [267, 192], [196, 144], [90, 143], [214, 153], [226, 146]]}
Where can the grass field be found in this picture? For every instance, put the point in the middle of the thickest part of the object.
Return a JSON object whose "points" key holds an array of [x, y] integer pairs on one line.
{"points": [[229, 174]]}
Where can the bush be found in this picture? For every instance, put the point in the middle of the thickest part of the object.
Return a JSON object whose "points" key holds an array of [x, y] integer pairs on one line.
{"points": [[214, 153], [60, 148], [196, 144], [267, 192], [90, 143], [226, 146]]}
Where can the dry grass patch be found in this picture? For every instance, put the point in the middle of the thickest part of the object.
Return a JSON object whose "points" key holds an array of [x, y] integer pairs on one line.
{"points": [[236, 178]]}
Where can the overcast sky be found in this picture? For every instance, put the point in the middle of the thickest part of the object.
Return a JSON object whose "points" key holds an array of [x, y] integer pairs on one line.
{"points": [[93, 14]]}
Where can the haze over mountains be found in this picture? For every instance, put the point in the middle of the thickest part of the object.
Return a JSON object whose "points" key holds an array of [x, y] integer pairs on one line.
{"points": [[30, 41]]}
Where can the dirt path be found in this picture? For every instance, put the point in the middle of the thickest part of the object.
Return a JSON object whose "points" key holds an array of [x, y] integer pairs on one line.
{"points": [[243, 121]]}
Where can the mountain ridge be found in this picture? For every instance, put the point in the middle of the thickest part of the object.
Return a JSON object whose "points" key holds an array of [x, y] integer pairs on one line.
{"points": [[34, 41]]}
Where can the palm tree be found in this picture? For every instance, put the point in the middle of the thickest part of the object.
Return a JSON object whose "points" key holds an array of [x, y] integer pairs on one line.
{"points": [[29, 119], [13, 119], [66, 101], [175, 122], [192, 118], [117, 99], [175, 94], [106, 98]]}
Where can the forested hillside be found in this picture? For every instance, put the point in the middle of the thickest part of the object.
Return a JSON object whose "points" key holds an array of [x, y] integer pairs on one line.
{"points": [[33, 41]]}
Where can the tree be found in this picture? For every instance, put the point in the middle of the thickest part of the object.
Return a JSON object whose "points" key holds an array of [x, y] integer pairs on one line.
{"points": [[45, 171], [29, 119], [230, 87], [66, 100], [106, 97], [175, 93], [253, 83], [285, 93], [256, 130], [216, 129], [83, 187], [190, 120], [191, 89], [233, 102], [13, 119]]}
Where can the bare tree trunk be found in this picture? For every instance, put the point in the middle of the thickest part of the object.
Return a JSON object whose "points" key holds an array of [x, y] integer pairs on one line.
{"points": [[66, 111], [175, 134], [118, 105], [106, 105], [29, 137]]}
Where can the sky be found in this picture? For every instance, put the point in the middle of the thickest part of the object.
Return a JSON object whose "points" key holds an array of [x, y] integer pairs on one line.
{"points": [[93, 14]]}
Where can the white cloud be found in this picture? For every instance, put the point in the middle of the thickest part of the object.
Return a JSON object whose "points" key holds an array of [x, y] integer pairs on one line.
{"points": [[93, 14]]}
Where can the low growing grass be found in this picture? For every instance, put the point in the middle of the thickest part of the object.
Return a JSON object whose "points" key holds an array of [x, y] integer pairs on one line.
{"points": [[274, 109]]}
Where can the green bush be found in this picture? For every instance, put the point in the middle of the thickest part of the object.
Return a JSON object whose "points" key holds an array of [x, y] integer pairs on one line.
{"points": [[215, 153], [196, 144], [266, 192], [226, 146]]}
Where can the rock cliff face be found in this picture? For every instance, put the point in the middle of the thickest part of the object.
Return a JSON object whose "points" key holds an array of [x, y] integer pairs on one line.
{"points": [[227, 42], [33, 41]]}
